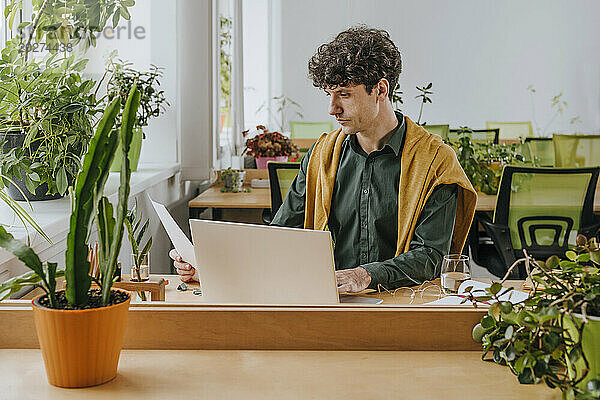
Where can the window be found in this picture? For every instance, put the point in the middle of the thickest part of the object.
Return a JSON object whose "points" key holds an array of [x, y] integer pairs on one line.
{"points": [[228, 138]]}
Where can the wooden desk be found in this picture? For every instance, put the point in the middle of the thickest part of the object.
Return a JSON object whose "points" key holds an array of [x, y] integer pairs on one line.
{"points": [[261, 198], [185, 322], [416, 295], [265, 375]]}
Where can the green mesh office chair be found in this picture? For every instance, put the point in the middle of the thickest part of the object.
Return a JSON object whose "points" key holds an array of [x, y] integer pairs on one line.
{"points": [[512, 130], [477, 135], [576, 151], [442, 130], [540, 210], [539, 150], [309, 130], [281, 177]]}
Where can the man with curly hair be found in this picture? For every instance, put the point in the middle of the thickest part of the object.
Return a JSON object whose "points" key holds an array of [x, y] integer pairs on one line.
{"points": [[393, 195]]}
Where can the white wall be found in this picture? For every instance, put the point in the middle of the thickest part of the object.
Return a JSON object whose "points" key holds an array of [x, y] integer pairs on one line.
{"points": [[480, 55], [155, 43]]}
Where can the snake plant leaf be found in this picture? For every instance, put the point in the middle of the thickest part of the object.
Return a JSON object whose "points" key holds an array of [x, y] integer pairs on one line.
{"points": [[146, 248], [127, 122], [106, 225], [13, 285], [91, 178], [51, 267], [130, 232], [22, 252], [142, 231]]}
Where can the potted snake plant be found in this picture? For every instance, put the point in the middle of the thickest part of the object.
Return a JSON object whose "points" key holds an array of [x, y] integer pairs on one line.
{"points": [[81, 328]]}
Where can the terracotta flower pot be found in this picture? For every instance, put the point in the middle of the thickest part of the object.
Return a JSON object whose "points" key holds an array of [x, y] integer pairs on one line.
{"points": [[80, 347], [261, 162]]}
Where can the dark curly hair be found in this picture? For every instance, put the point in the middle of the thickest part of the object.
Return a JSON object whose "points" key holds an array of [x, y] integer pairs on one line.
{"points": [[359, 55]]}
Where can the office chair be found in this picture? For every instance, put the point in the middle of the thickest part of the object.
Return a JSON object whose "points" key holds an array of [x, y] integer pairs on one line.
{"points": [[576, 151], [309, 130], [512, 130], [540, 151], [477, 135], [281, 177], [442, 130], [540, 210]]}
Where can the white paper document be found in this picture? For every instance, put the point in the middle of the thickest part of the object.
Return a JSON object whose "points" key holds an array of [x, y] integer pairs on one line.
{"points": [[514, 296], [182, 244]]}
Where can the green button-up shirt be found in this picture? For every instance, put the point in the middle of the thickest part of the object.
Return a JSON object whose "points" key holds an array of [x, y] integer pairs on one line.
{"points": [[363, 219]]}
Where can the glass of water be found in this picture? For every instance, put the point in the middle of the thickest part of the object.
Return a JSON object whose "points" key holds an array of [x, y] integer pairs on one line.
{"points": [[455, 270], [141, 272]]}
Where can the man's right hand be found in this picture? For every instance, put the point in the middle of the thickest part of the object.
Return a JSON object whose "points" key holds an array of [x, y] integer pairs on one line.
{"points": [[186, 272]]}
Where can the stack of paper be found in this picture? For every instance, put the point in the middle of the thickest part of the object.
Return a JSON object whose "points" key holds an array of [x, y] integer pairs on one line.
{"points": [[514, 296]]}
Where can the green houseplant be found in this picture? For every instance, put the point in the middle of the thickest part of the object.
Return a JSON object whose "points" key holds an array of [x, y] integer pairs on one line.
{"points": [[136, 233], [269, 146], [483, 162], [233, 180], [554, 335], [21, 214], [46, 114], [46, 109], [424, 96], [152, 99], [72, 355], [225, 66]]}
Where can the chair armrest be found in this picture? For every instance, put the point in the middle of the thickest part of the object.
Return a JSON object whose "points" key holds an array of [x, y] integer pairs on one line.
{"points": [[590, 231], [266, 216], [500, 235]]}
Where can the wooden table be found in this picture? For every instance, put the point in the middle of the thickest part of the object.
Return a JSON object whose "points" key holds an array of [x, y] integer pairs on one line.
{"points": [[264, 375], [261, 198], [257, 199]]}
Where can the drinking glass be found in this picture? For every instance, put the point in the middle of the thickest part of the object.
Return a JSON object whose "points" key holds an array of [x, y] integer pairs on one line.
{"points": [[455, 270], [144, 268]]}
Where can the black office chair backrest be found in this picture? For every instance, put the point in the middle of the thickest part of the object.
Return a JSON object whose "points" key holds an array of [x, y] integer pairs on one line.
{"points": [[544, 208], [281, 177], [541, 151], [477, 135]]}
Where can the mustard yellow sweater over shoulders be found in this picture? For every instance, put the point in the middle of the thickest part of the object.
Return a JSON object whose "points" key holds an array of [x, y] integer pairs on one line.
{"points": [[426, 162]]}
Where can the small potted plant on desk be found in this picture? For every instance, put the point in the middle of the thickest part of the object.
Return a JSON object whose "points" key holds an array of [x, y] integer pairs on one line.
{"points": [[269, 146], [81, 329], [554, 335]]}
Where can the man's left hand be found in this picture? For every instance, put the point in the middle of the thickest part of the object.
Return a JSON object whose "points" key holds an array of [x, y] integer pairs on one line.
{"points": [[352, 280]]}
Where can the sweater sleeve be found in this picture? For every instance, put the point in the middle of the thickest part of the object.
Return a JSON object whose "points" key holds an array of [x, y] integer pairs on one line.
{"points": [[430, 242]]}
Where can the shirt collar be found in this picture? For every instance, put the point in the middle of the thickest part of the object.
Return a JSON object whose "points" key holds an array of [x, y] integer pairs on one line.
{"points": [[395, 141]]}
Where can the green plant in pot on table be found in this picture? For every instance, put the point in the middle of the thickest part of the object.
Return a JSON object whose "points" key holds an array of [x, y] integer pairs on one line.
{"points": [[136, 232], [74, 356], [269, 146], [554, 335], [152, 99]]}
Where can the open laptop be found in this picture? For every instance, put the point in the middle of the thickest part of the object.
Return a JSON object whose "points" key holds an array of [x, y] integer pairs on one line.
{"points": [[258, 264]]}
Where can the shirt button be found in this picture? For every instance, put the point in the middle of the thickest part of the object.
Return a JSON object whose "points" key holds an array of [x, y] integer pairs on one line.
{"points": [[364, 255], [364, 223], [366, 191]]}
